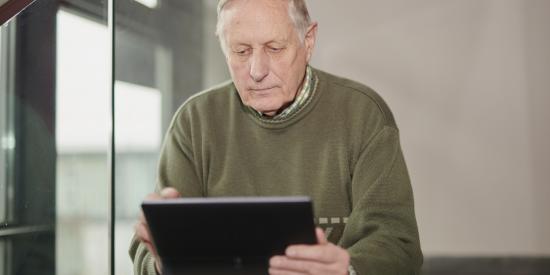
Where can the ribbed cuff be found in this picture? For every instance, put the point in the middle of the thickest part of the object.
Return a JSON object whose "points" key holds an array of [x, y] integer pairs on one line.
{"points": [[151, 268], [351, 270]]}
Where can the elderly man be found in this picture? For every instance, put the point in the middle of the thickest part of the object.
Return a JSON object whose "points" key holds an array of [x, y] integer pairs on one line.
{"points": [[280, 128]]}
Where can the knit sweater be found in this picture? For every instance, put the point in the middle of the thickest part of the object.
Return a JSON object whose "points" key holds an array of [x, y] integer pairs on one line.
{"points": [[341, 148]]}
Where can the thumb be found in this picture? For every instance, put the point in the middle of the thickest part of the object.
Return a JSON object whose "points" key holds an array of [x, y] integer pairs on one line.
{"points": [[321, 239], [170, 193]]}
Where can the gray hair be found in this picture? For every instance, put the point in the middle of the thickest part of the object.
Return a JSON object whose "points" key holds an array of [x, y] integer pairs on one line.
{"points": [[297, 10]]}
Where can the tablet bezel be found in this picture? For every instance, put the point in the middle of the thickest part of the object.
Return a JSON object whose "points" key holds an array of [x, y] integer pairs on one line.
{"points": [[287, 220]]}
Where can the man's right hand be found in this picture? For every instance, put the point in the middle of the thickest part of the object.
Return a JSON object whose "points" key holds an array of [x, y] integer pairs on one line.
{"points": [[142, 229]]}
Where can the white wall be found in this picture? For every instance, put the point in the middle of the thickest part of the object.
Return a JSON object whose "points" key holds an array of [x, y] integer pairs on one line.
{"points": [[469, 83]]}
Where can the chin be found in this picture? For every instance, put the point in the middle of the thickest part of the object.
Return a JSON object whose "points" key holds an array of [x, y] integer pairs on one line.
{"points": [[265, 107]]}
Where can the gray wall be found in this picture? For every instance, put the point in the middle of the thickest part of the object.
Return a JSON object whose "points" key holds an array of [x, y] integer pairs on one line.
{"points": [[469, 84]]}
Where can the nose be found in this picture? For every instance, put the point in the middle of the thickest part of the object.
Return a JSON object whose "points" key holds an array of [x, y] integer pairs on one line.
{"points": [[259, 66]]}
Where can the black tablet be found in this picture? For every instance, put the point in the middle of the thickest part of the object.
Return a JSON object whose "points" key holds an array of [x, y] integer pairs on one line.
{"points": [[225, 234]]}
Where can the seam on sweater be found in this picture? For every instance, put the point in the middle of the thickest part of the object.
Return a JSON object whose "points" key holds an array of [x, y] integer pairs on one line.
{"points": [[192, 98], [216, 89], [384, 111], [370, 141]]}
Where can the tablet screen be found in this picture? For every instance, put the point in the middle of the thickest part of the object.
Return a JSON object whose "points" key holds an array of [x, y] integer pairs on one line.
{"points": [[217, 230]]}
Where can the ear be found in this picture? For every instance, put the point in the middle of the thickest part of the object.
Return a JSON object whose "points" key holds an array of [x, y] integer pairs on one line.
{"points": [[310, 39]]}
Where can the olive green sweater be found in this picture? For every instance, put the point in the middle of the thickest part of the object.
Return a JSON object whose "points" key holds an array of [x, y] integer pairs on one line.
{"points": [[341, 149]]}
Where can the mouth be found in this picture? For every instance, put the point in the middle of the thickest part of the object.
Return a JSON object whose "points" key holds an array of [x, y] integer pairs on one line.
{"points": [[263, 92], [261, 89]]}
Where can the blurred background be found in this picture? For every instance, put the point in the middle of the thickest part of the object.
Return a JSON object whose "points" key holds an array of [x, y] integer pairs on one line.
{"points": [[468, 82]]}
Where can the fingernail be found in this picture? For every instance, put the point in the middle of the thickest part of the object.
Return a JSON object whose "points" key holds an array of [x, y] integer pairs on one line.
{"points": [[291, 252], [166, 192], [274, 261]]}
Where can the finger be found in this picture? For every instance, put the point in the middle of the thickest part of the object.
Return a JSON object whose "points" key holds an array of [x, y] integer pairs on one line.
{"points": [[158, 266], [153, 197], [327, 253], [321, 239], [276, 271], [149, 197], [170, 193], [142, 233], [144, 236], [151, 249], [292, 265]]}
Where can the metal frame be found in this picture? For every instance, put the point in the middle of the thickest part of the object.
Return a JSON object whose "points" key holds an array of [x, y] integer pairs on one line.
{"points": [[22, 230], [11, 8]]}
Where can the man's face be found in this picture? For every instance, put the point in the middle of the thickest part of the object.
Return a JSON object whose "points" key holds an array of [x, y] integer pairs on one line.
{"points": [[266, 58]]}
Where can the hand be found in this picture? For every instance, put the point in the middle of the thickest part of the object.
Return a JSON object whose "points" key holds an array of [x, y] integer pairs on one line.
{"points": [[322, 258], [142, 229]]}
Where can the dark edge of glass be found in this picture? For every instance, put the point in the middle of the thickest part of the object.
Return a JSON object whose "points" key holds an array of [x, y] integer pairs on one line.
{"points": [[112, 217]]}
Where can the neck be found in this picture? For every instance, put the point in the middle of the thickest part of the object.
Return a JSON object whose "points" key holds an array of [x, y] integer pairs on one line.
{"points": [[296, 95]]}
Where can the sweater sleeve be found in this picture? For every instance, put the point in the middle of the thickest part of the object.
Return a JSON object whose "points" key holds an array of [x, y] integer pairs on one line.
{"points": [[144, 263], [176, 169], [381, 234]]}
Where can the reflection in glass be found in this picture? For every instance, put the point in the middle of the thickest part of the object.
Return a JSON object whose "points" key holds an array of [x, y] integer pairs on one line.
{"points": [[3, 167], [54, 140], [7, 139], [27, 142]]}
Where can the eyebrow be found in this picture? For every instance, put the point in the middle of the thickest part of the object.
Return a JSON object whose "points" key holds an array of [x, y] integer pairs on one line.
{"points": [[281, 42]]}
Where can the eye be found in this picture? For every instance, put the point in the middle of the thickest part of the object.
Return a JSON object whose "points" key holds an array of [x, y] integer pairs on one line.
{"points": [[275, 49], [241, 52]]}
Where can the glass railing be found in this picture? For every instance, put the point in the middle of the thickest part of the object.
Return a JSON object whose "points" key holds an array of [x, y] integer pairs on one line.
{"points": [[59, 93], [55, 176]]}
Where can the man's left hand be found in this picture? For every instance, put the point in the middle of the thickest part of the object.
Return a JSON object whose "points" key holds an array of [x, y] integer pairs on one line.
{"points": [[322, 258]]}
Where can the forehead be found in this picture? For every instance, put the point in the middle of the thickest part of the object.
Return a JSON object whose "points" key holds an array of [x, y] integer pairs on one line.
{"points": [[250, 21]]}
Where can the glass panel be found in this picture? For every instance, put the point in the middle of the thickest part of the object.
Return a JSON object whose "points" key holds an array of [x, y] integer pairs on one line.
{"points": [[82, 143], [165, 52], [55, 100], [27, 142]]}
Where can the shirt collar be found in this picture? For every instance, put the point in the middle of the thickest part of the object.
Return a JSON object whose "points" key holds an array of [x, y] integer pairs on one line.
{"points": [[300, 100]]}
